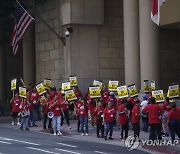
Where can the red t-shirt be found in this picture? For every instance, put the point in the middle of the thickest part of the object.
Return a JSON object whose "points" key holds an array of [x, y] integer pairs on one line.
{"points": [[82, 110], [34, 96], [23, 107], [98, 112], [91, 104], [132, 100], [135, 119], [16, 103], [154, 112], [109, 114], [57, 108], [123, 114], [174, 114], [105, 95], [64, 104], [166, 106], [119, 102]]}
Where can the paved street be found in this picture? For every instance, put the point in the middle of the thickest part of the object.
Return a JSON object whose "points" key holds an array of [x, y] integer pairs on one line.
{"points": [[17, 141], [14, 140]]}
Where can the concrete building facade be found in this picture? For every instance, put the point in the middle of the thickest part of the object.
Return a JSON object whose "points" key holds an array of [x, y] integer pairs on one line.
{"points": [[111, 40]]}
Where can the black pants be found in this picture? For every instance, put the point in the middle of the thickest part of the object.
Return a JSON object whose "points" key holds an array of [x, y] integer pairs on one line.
{"points": [[125, 128], [174, 127], [136, 127], [155, 129], [99, 128], [45, 121], [78, 123], [66, 116]]}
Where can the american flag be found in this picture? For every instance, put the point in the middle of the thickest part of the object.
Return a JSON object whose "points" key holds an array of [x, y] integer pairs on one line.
{"points": [[23, 21]]}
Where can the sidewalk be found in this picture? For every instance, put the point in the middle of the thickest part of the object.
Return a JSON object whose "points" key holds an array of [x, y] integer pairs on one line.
{"points": [[6, 122]]}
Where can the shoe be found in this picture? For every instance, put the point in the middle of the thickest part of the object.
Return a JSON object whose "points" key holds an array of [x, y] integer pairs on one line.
{"points": [[35, 125], [18, 124], [21, 128], [164, 135], [102, 136], [82, 134], [167, 135], [98, 136], [87, 134], [27, 129], [69, 127], [12, 123], [105, 137], [59, 133], [54, 134], [110, 138]]}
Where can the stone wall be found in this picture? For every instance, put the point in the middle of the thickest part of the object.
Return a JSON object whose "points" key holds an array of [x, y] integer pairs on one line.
{"points": [[49, 56], [169, 57], [111, 43]]}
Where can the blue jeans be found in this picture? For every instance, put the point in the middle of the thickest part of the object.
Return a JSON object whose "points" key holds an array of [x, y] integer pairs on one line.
{"points": [[174, 127], [109, 128], [56, 120], [31, 117], [145, 125], [24, 122], [84, 122]]}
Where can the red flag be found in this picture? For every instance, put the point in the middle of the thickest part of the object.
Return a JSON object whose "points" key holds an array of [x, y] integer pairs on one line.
{"points": [[155, 12], [23, 21]]}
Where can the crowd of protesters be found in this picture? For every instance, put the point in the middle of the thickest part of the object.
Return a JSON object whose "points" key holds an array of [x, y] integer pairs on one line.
{"points": [[106, 112]]}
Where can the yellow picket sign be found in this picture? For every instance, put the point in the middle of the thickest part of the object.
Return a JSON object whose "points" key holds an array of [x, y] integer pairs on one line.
{"points": [[122, 91], [13, 84], [132, 90], [97, 83], [146, 86], [94, 92], [65, 86], [40, 89], [22, 92], [158, 95], [173, 91], [47, 83], [113, 85], [73, 80], [153, 85], [70, 95]]}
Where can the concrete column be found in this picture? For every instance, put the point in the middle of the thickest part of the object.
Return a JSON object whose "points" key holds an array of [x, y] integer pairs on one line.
{"points": [[29, 57], [131, 42], [149, 44]]}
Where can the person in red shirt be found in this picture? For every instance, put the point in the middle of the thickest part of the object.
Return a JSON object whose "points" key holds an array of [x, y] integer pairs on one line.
{"points": [[65, 107], [77, 104], [166, 107], [123, 118], [55, 106], [83, 116], [154, 113], [24, 113], [77, 92], [15, 101], [173, 121], [91, 106], [34, 100], [45, 105], [98, 119], [112, 99], [104, 96], [136, 118], [109, 118]]}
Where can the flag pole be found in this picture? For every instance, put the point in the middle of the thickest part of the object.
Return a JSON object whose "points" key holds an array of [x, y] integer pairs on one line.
{"points": [[63, 39]]}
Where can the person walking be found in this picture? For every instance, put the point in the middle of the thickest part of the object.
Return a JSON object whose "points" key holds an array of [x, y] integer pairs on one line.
{"points": [[154, 113], [109, 118]]}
